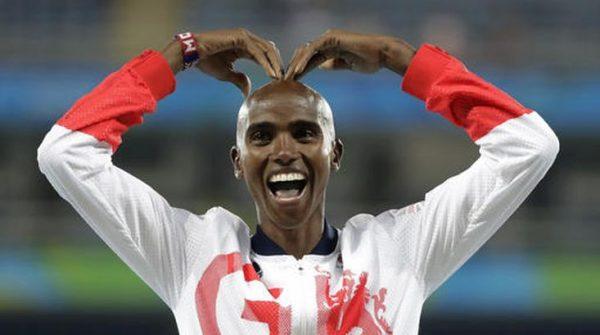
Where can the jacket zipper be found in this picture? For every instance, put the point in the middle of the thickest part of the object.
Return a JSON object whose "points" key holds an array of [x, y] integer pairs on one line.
{"points": [[302, 299]]}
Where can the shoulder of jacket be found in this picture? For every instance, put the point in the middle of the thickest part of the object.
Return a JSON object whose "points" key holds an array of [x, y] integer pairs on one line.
{"points": [[359, 221], [224, 219], [404, 213]]}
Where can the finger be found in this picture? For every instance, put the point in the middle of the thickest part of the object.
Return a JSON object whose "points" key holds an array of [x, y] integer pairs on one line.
{"points": [[252, 46], [242, 82], [221, 68], [239, 79], [271, 60], [274, 57], [271, 53], [251, 50], [300, 57], [259, 56], [303, 57], [292, 64], [335, 64], [316, 47], [326, 54], [316, 60]]}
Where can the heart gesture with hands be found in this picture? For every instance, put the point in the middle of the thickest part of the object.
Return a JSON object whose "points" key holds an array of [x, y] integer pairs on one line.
{"points": [[334, 50]]}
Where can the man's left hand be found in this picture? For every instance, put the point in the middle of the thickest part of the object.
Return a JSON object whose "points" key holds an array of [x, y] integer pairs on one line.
{"points": [[338, 49]]}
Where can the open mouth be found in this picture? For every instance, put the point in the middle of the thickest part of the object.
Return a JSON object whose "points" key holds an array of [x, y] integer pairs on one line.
{"points": [[287, 185]]}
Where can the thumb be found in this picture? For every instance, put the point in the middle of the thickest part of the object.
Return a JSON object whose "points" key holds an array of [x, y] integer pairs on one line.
{"points": [[335, 64], [241, 81], [220, 66]]}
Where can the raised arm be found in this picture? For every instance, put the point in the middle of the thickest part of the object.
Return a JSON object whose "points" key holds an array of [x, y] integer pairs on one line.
{"points": [[157, 241], [516, 146]]}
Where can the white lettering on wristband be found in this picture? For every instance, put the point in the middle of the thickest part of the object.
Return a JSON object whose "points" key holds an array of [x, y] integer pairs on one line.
{"points": [[189, 48], [189, 45], [188, 41]]}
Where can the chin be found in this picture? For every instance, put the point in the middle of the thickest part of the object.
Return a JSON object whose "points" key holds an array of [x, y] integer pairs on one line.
{"points": [[288, 217]]}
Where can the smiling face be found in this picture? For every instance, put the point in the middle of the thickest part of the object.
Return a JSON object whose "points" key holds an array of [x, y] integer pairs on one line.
{"points": [[285, 151]]}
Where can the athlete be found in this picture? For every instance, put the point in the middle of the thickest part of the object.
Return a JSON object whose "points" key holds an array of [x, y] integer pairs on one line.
{"points": [[297, 274]]}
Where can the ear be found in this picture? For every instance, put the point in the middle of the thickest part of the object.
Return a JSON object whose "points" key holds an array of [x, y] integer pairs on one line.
{"points": [[337, 152], [235, 156]]}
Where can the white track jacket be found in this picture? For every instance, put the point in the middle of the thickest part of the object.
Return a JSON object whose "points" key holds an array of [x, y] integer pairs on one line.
{"points": [[371, 277]]}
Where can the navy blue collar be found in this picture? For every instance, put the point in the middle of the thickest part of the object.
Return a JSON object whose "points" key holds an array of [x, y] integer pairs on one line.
{"points": [[263, 245]]}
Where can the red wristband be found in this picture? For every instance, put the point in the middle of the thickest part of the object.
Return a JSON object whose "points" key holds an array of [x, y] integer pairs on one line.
{"points": [[189, 49]]}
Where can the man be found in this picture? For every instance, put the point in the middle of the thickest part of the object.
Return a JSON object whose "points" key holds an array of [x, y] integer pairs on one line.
{"points": [[297, 274]]}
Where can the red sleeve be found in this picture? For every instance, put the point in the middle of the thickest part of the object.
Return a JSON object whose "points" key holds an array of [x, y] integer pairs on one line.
{"points": [[120, 101], [448, 88]]}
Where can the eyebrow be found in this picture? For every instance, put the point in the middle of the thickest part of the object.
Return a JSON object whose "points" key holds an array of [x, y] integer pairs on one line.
{"points": [[259, 125], [293, 124], [315, 127], [309, 124]]}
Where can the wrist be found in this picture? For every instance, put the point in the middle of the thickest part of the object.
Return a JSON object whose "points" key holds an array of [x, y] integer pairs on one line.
{"points": [[174, 56], [397, 55], [153, 68], [428, 64]]}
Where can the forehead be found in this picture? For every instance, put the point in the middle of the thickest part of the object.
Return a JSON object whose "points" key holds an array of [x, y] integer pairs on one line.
{"points": [[284, 108]]}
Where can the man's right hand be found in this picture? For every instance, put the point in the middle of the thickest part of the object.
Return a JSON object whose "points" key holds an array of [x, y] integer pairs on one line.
{"points": [[219, 49]]}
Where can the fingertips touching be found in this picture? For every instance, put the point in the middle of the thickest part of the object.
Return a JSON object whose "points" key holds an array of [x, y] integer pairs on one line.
{"points": [[316, 60], [274, 57], [267, 55], [258, 55], [296, 59]]}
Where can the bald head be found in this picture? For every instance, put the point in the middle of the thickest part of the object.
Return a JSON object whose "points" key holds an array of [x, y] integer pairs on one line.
{"points": [[283, 87], [285, 96]]}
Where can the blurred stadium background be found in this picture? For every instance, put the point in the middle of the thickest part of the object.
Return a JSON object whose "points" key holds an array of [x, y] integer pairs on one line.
{"points": [[539, 275]]}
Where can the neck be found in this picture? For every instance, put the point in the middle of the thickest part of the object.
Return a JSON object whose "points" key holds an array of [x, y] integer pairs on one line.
{"points": [[297, 241]]}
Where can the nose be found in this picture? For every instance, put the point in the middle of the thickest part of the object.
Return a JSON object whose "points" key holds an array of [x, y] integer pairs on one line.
{"points": [[284, 150]]}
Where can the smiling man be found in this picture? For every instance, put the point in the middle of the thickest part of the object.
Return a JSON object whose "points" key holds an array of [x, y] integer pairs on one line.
{"points": [[286, 148], [297, 274]]}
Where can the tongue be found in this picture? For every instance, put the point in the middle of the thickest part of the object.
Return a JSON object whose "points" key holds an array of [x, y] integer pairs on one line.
{"points": [[287, 193]]}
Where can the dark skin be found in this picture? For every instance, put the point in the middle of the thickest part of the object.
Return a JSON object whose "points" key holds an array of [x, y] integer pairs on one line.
{"points": [[285, 132], [220, 49], [343, 50]]}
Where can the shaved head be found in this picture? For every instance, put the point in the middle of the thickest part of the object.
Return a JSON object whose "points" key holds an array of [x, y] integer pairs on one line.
{"points": [[282, 93]]}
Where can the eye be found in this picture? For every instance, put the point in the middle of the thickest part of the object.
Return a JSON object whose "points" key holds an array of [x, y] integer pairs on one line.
{"points": [[260, 137], [305, 134]]}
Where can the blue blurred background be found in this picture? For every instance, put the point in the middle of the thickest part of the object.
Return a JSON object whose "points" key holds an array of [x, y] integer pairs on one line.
{"points": [[540, 274]]}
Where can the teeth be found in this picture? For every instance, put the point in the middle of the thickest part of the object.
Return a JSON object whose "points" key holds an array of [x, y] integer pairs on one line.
{"points": [[286, 177]]}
